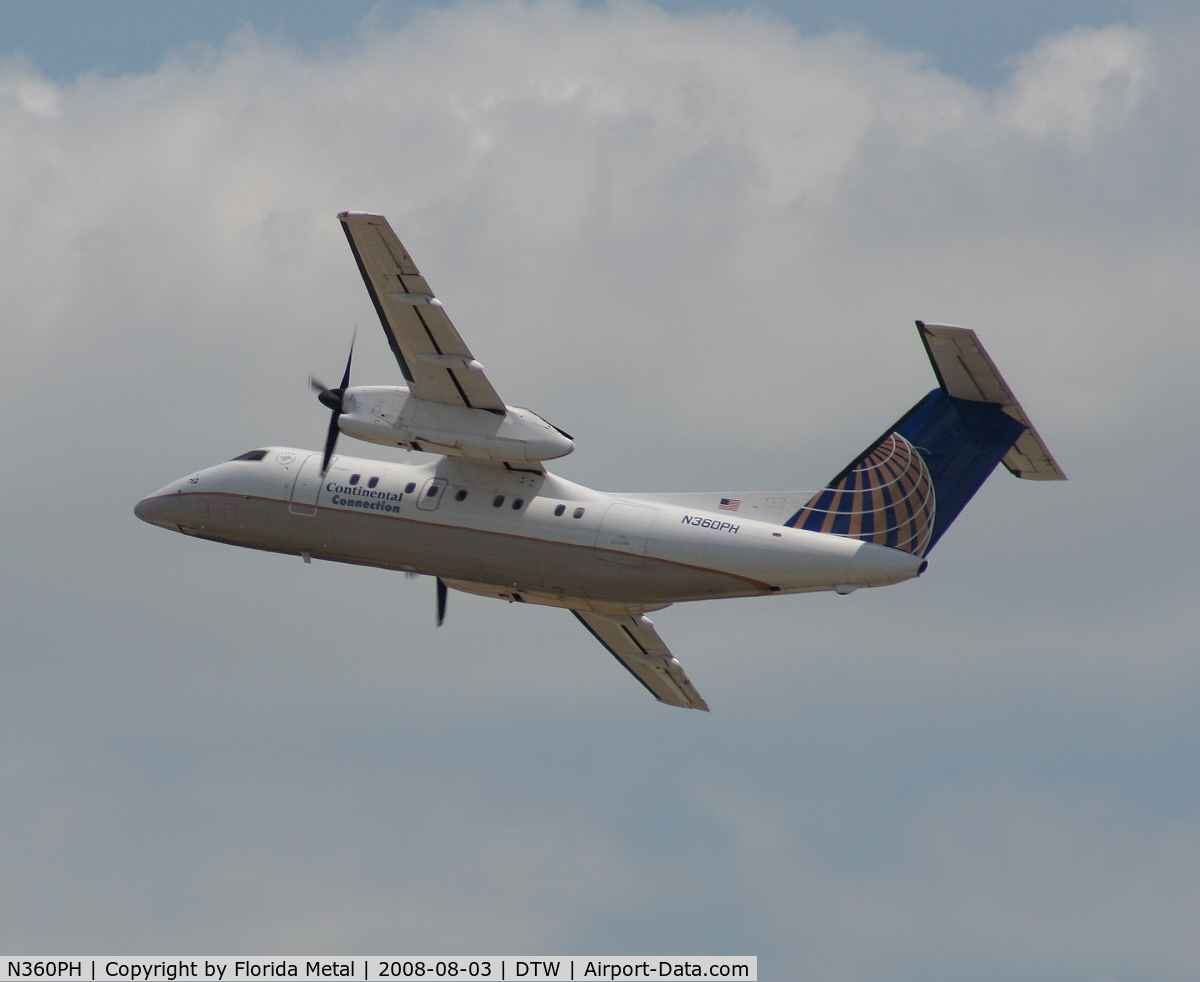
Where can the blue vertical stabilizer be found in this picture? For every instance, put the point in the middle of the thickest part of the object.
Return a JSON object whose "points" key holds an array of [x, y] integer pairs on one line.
{"points": [[961, 443], [906, 488]]}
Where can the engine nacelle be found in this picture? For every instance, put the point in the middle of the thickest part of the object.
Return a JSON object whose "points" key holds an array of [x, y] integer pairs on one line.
{"points": [[392, 416]]}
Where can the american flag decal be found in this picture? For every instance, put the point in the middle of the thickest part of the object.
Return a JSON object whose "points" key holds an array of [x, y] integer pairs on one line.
{"points": [[729, 504]]}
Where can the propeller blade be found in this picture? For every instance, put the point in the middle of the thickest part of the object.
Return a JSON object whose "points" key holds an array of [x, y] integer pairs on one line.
{"points": [[441, 601], [349, 358], [330, 442], [333, 399]]}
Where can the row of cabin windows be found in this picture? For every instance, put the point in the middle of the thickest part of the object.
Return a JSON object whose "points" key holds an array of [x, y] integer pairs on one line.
{"points": [[460, 495], [409, 488]]}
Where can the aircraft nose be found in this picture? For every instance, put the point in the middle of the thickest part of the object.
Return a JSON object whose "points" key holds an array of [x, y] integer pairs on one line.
{"points": [[153, 510]]}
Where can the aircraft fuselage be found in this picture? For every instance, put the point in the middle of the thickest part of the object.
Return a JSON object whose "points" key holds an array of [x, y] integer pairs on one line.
{"points": [[514, 534]]}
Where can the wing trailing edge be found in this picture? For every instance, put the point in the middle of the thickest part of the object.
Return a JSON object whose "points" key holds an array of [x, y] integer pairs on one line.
{"points": [[632, 640], [435, 361]]}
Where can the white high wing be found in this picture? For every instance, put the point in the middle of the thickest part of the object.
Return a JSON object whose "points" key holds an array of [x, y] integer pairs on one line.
{"points": [[485, 517]]}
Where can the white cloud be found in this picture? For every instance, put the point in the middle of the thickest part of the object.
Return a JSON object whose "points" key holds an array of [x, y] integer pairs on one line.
{"points": [[1078, 83], [698, 244]]}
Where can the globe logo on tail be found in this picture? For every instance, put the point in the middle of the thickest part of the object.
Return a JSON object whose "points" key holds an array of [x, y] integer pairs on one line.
{"points": [[885, 497]]}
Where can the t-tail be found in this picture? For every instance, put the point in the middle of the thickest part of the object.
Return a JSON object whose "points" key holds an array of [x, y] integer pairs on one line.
{"points": [[907, 487]]}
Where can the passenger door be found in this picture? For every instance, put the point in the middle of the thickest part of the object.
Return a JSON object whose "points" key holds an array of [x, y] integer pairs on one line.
{"points": [[306, 489], [431, 494]]}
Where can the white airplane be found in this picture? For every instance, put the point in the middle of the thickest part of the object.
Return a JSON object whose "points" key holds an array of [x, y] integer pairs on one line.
{"points": [[485, 517]]}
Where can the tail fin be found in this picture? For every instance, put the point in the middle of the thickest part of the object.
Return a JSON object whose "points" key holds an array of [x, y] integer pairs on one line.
{"points": [[906, 488]]}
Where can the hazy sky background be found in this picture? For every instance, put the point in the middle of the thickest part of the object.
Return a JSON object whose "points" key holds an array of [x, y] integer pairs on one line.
{"points": [[696, 238]]}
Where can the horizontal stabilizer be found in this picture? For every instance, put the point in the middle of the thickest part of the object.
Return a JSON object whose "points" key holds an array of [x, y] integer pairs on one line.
{"points": [[633, 641], [965, 371]]}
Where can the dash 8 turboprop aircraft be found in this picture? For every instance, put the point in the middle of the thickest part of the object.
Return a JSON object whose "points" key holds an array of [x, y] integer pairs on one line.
{"points": [[485, 516]]}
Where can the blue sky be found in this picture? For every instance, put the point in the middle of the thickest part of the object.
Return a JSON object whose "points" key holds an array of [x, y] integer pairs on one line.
{"points": [[696, 239], [971, 39]]}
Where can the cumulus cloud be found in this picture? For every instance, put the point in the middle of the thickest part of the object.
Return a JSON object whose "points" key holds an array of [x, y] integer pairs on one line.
{"points": [[697, 243], [1079, 84]]}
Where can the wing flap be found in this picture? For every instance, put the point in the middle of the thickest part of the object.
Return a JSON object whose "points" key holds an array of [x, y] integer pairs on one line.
{"points": [[436, 362], [633, 641], [965, 371]]}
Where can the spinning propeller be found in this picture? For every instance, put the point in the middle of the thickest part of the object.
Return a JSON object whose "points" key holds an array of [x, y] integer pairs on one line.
{"points": [[333, 399]]}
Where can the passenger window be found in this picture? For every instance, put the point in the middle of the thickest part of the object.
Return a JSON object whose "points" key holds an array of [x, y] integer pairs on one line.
{"points": [[410, 487], [371, 483], [498, 501], [432, 492], [578, 513], [559, 510], [461, 496], [353, 478], [517, 503]]}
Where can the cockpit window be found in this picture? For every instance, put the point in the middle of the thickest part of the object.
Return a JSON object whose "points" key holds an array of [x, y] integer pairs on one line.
{"points": [[252, 455]]}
